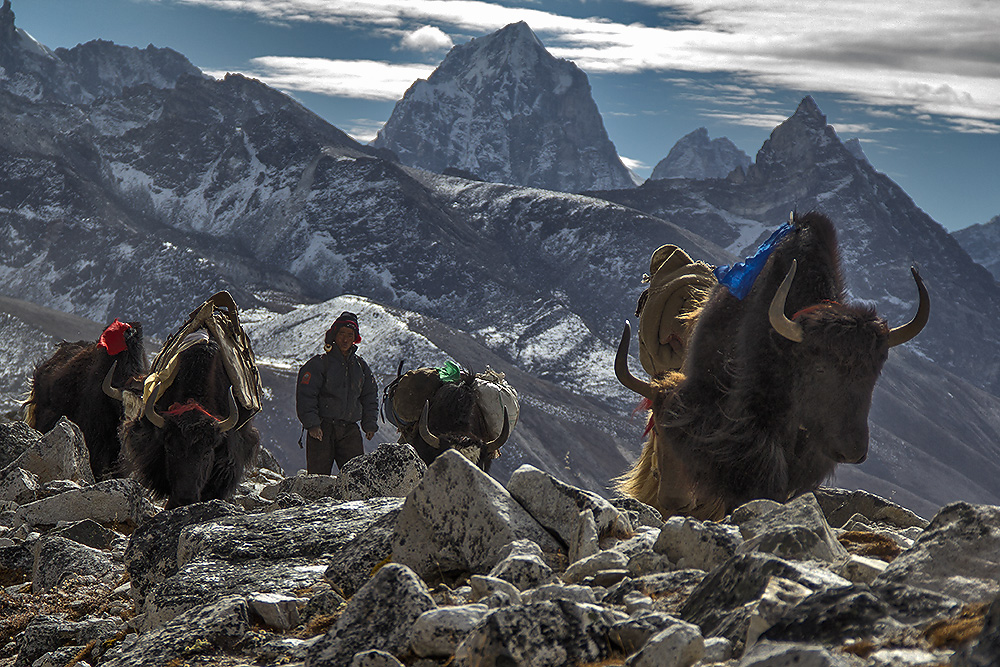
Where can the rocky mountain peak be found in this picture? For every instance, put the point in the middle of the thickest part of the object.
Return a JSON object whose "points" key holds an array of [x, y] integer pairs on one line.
{"points": [[7, 30], [503, 108], [698, 157], [803, 142]]}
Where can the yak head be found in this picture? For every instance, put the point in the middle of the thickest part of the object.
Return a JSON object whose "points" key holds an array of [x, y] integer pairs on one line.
{"points": [[837, 352], [452, 419]]}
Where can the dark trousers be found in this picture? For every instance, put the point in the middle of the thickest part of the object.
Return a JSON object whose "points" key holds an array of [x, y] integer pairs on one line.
{"points": [[341, 442]]}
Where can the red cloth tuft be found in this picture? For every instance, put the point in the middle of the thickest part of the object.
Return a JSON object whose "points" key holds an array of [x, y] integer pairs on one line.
{"points": [[113, 338]]}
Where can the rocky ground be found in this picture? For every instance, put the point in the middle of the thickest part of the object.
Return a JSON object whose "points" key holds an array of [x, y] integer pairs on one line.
{"points": [[394, 563]]}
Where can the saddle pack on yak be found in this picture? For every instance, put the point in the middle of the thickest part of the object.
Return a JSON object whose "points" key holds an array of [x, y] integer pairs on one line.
{"points": [[677, 287], [404, 398], [217, 319]]}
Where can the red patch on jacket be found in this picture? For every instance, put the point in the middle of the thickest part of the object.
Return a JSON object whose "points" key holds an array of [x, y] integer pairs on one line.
{"points": [[306, 377]]}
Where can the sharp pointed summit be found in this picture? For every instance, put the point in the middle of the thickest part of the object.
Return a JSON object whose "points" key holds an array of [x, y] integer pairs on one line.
{"points": [[503, 108], [698, 157]]}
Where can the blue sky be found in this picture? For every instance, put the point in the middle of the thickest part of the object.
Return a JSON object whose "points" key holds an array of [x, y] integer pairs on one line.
{"points": [[918, 81]]}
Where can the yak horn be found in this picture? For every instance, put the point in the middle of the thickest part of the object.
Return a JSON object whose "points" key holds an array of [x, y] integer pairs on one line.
{"points": [[900, 335], [234, 414], [108, 389], [784, 326], [494, 445], [621, 368], [149, 410], [425, 433]]}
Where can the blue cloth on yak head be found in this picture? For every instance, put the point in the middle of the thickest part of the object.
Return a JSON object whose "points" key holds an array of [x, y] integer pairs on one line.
{"points": [[740, 277]]}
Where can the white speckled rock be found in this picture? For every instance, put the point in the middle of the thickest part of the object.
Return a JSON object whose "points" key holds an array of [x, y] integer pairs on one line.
{"points": [[278, 611], [375, 659], [773, 654], [113, 500], [521, 564], [392, 470], [460, 518], [702, 545], [680, 645], [57, 558], [797, 530], [588, 567], [554, 633], [380, 616], [59, 454], [557, 505], [438, 632]]}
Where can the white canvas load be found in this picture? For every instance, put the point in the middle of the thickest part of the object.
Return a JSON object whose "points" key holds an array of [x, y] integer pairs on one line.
{"points": [[494, 395]]}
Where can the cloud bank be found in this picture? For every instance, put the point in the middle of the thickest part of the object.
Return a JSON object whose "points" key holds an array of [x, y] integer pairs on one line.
{"points": [[918, 57]]}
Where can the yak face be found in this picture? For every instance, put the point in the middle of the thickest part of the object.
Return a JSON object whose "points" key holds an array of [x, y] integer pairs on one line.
{"points": [[454, 420], [838, 362], [183, 447]]}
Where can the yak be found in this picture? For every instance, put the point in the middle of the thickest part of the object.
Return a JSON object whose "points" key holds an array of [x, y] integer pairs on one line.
{"points": [[68, 384], [192, 441], [775, 389], [453, 419]]}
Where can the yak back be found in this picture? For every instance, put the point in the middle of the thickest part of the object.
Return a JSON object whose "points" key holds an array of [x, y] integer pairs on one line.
{"points": [[217, 320], [68, 384]]}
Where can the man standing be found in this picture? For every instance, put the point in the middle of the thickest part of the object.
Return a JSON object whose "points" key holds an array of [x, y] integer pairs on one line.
{"points": [[335, 391]]}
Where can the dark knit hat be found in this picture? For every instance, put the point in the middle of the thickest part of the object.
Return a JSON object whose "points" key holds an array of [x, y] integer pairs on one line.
{"points": [[346, 319]]}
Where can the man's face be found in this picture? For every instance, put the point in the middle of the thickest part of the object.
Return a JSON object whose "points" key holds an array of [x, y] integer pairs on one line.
{"points": [[344, 339]]}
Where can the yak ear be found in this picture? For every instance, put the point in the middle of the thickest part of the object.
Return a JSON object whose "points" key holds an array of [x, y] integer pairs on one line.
{"points": [[425, 432], [106, 386]]}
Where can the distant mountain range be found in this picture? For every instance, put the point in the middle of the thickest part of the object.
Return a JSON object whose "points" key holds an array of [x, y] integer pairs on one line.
{"points": [[698, 157], [140, 203]]}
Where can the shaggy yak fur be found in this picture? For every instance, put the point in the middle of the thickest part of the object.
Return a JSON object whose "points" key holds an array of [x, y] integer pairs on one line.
{"points": [[753, 413], [68, 384], [453, 417], [190, 459]]}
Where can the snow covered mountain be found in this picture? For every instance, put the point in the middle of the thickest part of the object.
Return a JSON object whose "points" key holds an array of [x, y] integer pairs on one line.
{"points": [[982, 242], [501, 107], [141, 203], [698, 157]]}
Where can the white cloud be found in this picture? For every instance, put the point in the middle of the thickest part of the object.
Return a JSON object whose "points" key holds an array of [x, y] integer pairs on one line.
{"points": [[926, 56], [427, 38], [364, 79], [634, 165]]}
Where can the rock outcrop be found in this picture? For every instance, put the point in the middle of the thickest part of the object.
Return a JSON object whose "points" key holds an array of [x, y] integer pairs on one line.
{"points": [[446, 566]]}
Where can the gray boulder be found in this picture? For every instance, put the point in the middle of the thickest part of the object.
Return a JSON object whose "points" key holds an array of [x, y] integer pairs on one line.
{"points": [[151, 555], [380, 616], [57, 558], [557, 505], [703, 545], [47, 633], [522, 564], [796, 530], [957, 555], [59, 454], [459, 518], [392, 470], [113, 501], [352, 564], [542, 634], [207, 629]]}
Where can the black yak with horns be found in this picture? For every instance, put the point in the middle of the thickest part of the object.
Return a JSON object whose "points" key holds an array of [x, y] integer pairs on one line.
{"points": [[68, 384], [775, 390], [192, 440]]}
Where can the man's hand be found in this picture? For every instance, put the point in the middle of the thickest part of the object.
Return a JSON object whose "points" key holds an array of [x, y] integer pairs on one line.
{"points": [[316, 433], [369, 434]]}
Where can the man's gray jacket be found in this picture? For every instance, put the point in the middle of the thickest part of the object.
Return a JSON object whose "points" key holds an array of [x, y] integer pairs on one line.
{"points": [[332, 387]]}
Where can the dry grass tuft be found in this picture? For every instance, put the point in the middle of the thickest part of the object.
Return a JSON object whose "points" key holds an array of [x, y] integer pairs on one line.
{"points": [[955, 632], [871, 545]]}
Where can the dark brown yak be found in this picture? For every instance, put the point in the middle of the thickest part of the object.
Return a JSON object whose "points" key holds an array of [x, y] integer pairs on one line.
{"points": [[775, 390], [68, 384], [453, 419], [193, 442]]}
